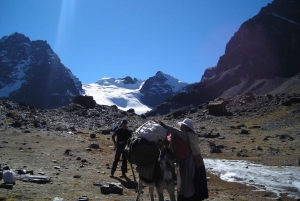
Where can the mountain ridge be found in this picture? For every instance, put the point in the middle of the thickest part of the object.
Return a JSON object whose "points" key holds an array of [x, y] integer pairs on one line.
{"points": [[129, 93], [260, 57], [32, 73]]}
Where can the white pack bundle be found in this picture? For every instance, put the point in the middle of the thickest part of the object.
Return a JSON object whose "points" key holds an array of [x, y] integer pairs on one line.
{"points": [[151, 131]]}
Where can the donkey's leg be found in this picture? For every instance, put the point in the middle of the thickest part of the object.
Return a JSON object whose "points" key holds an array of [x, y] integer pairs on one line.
{"points": [[171, 191], [160, 193], [151, 189], [140, 188]]}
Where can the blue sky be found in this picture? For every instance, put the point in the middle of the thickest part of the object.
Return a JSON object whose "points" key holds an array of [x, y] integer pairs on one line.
{"points": [[137, 38]]}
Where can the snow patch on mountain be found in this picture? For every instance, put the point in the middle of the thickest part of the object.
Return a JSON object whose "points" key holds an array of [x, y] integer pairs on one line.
{"points": [[177, 85], [18, 76], [112, 91]]}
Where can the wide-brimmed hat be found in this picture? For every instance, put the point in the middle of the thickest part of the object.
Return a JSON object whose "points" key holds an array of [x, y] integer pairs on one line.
{"points": [[187, 122]]}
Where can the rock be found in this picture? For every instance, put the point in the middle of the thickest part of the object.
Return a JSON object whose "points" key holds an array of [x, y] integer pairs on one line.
{"points": [[67, 152], [16, 124], [210, 135], [83, 198], [5, 167], [217, 107], [7, 186], [255, 126], [131, 110], [243, 131], [72, 128], [85, 101], [273, 150], [94, 146], [241, 154], [258, 148], [215, 150], [36, 179], [194, 110], [114, 188], [9, 114], [240, 126], [286, 103], [105, 189], [22, 171], [97, 183], [294, 100], [179, 113], [58, 199], [105, 132], [285, 136]]}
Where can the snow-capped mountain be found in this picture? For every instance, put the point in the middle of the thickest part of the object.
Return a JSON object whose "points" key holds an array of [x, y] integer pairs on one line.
{"points": [[127, 93], [124, 93], [159, 88], [32, 73]]}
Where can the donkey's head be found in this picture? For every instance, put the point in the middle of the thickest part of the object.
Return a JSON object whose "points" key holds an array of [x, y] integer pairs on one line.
{"points": [[166, 160]]}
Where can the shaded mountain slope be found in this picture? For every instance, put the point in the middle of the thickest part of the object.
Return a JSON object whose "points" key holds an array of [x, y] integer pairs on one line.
{"points": [[262, 55], [32, 73]]}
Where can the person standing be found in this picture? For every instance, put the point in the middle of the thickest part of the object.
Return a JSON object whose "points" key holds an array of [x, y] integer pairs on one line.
{"points": [[122, 134], [191, 173]]}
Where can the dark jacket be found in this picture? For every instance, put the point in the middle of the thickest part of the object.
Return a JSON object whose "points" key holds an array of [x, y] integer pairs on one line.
{"points": [[122, 135]]}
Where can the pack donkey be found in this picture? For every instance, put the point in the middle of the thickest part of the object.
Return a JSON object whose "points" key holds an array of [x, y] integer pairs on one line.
{"points": [[162, 175]]}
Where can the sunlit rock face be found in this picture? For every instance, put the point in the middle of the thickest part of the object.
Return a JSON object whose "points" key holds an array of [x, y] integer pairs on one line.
{"points": [[32, 73], [259, 58]]}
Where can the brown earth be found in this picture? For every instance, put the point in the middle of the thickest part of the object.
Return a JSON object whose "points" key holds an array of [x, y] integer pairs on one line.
{"points": [[272, 126]]}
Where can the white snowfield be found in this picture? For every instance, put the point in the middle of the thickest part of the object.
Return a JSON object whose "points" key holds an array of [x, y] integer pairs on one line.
{"points": [[111, 91]]}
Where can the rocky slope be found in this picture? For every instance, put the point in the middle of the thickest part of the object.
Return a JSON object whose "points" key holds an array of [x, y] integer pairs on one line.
{"points": [[261, 57], [32, 73], [58, 144]]}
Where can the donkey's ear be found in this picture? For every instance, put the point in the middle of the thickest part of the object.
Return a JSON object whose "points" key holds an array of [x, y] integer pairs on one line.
{"points": [[160, 144], [172, 145]]}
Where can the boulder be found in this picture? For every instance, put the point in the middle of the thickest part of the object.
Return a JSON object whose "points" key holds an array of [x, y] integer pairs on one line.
{"points": [[217, 108], [85, 101], [36, 179]]}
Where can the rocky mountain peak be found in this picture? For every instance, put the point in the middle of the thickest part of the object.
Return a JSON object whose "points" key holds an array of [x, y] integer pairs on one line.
{"points": [[266, 45], [15, 39], [160, 87], [261, 57], [32, 73], [129, 80]]}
